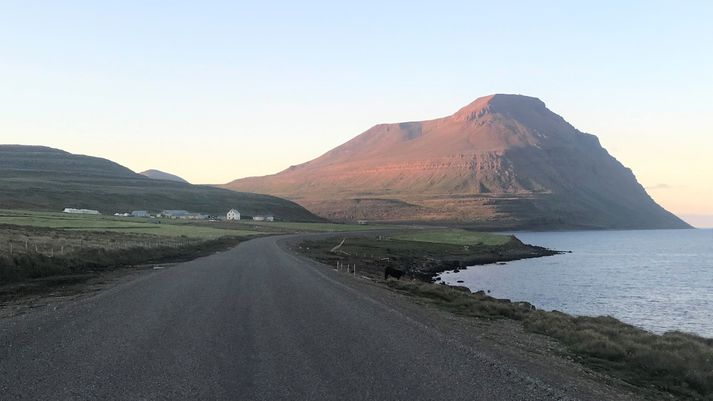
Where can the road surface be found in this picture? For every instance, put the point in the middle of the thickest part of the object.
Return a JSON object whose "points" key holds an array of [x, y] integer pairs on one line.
{"points": [[253, 323]]}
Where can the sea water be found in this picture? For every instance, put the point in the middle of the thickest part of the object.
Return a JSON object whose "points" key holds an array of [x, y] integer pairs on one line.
{"points": [[659, 280]]}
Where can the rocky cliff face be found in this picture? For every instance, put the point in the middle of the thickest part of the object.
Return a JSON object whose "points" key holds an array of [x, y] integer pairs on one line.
{"points": [[503, 161]]}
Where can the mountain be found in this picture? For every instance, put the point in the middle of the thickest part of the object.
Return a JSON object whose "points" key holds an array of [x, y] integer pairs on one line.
{"points": [[501, 162], [41, 178], [160, 175]]}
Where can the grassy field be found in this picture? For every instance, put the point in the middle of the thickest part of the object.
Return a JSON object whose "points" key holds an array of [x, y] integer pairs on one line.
{"points": [[454, 237], [170, 227], [315, 227], [37, 244], [675, 362], [36, 252], [160, 227], [41, 244]]}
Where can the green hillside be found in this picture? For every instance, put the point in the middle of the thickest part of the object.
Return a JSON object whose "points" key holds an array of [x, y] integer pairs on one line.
{"points": [[41, 178]]}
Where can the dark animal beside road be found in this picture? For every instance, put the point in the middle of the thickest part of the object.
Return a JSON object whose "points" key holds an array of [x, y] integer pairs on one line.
{"points": [[395, 273]]}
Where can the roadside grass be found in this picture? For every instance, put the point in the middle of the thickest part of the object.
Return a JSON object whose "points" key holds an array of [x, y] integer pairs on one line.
{"points": [[37, 265], [455, 237], [675, 362]]}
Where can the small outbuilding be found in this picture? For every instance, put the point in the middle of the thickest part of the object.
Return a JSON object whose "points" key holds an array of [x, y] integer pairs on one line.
{"points": [[80, 211], [233, 214], [175, 214]]}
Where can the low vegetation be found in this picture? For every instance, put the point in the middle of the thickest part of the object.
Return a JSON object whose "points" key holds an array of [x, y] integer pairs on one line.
{"points": [[314, 227], [32, 252], [127, 225], [675, 362], [421, 254], [42, 244], [38, 244], [455, 237]]}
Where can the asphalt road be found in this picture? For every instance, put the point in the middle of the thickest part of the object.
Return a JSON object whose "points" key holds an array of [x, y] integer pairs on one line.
{"points": [[252, 323]]}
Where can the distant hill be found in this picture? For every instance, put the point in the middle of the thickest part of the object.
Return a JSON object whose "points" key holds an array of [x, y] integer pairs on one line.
{"points": [[41, 178], [160, 175], [501, 162]]}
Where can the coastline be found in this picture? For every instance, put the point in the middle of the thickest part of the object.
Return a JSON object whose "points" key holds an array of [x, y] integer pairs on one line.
{"points": [[674, 363], [654, 279], [420, 260]]}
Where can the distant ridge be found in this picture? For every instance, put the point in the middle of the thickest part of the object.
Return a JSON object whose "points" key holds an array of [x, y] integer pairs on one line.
{"points": [[501, 162], [161, 175], [42, 178]]}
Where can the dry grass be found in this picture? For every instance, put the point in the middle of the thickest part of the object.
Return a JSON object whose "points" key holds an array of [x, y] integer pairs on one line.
{"points": [[675, 362], [33, 252]]}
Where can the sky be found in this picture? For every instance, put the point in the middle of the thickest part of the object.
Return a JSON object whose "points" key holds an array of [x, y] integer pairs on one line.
{"points": [[213, 91]]}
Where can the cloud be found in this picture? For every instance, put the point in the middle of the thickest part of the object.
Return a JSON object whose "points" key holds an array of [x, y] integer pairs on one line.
{"points": [[660, 186]]}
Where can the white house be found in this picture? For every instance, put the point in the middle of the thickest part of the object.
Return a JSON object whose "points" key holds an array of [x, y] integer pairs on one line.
{"points": [[233, 215]]}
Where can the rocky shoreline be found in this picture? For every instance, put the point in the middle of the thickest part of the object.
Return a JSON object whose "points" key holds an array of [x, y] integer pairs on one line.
{"points": [[420, 260]]}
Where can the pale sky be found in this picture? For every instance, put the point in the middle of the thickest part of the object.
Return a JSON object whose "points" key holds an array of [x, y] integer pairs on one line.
{"points": [[214, 91]]}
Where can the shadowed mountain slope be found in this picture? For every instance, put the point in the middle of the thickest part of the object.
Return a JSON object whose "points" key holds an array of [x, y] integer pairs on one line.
{"points": [[161, 175], [503, 161], [41, 178]]}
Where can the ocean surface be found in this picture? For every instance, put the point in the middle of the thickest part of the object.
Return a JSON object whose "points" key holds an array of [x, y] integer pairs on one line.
{"points": [[659, 280]]}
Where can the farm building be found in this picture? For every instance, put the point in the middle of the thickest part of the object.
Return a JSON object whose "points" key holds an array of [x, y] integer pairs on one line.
{"points": [[195, 216], [175, 214], [233, 214], [80, 211], [263, 218], [140, 213]]}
